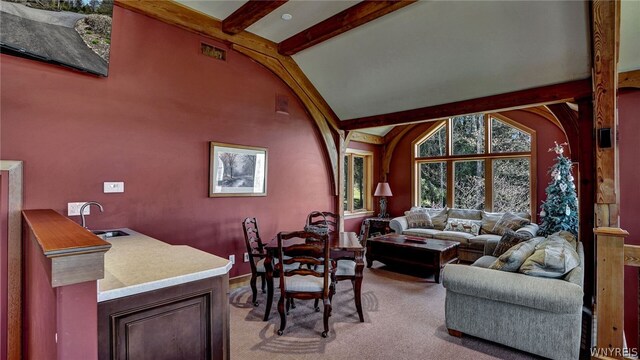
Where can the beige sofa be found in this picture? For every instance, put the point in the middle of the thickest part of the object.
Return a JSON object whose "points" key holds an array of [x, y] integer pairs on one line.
{"points": [[471, 246]]}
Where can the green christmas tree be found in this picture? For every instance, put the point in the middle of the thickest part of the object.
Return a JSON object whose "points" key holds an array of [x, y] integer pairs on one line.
{"points": [[560, 210]]}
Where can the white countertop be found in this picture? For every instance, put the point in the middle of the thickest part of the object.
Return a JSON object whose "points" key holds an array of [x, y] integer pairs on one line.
{"points": [[138, 263]]}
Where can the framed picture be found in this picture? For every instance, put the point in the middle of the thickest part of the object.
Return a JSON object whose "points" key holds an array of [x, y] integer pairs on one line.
{"points": [[237, 170]]}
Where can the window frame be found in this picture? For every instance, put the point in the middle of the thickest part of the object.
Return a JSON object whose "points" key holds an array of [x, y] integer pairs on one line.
{"points": [[367, 156], [487, 156]]}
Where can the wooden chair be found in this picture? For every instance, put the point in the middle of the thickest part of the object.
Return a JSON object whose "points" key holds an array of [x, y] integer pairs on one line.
{"points": [[305, 248], [346, 263], [323, 219], [257, 254]]}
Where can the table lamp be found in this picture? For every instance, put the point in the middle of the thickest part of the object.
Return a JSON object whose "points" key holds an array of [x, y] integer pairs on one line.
{"points": [[383, 190]]}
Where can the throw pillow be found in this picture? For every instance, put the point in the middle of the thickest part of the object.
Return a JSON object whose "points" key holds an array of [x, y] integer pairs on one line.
{"points": [[439, 218], [509, 221], [553, 258], [513, 258], [463, 225], [571, 239], [489, 220], [419, 219], [509, 240]]}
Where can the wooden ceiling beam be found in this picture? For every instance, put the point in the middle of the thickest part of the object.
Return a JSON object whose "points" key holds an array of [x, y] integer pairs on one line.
{"points": [[357, 15], [249, 13], [502, 102]]}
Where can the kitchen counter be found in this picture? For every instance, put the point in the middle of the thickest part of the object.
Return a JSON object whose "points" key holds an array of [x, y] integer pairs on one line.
{"points": [[138, 263]]}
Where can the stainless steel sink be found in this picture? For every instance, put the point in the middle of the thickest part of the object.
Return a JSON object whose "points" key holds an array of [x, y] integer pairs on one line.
{"points": [[107, 234]]}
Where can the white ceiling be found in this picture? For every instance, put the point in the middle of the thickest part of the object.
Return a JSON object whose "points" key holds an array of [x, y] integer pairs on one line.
{"points": [[436, 52]]}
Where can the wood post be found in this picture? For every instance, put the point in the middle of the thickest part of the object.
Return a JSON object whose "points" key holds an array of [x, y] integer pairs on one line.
{"points": [[610, 293]]}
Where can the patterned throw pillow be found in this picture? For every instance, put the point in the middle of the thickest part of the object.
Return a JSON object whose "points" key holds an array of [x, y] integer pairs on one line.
{"points": [[509, 240], [553, 258], [439, 217], [509, 221], [489, 220], [419, 219], [514, 257], [463, 225]]}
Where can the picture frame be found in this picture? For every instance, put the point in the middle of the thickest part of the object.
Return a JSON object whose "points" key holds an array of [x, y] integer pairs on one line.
{"points": [[237, 170]]}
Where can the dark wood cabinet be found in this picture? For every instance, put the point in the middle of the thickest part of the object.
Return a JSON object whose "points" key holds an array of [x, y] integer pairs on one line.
{"points": [[186, 321]]}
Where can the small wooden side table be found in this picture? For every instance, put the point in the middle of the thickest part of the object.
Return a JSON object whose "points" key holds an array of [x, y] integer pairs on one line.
{"points": [[374, 226]]}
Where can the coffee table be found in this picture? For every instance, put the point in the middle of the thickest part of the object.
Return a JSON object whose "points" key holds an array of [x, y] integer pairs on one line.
{"points": [[413, 251]]}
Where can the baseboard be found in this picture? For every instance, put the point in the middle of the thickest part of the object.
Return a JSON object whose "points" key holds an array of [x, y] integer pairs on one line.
{"points": [[239, 281]]}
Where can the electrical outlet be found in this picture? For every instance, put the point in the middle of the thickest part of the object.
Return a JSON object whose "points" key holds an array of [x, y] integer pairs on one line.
{"points": [[232, 258], [246, 257], [113, 187], [73, 209]]}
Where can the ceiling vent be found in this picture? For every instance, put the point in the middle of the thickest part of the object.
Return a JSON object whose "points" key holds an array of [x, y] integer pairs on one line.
{"points": [[212, 51]]}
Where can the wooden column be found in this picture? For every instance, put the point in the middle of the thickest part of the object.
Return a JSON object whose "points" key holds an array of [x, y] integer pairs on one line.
{"points": [[610, 293], [605, 35]]}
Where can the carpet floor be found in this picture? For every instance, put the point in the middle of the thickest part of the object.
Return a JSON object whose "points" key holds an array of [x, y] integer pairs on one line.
{"points": [[404, 319]]}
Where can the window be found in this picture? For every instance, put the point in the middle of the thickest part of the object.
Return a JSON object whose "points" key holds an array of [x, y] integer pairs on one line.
{"points": [[357, 181], [478, 161]]}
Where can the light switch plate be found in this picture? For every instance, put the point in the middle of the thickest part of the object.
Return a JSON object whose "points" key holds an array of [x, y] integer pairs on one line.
{"points": [[113, 187], [73, 208]]}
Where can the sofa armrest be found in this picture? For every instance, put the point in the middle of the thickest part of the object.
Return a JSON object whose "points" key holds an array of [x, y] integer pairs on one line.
{"points": [[399, 224], [552, 295], [531, 228], [490, 246]]}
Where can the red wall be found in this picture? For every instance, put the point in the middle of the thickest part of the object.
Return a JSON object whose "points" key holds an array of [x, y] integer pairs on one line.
{"points": [[148, 124], [4, 262], [629, 136], [400, 171], [353, 224]]}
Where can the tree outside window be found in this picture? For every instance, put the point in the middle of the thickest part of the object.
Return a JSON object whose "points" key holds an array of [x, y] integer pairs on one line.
{"points": [[477, 161]]}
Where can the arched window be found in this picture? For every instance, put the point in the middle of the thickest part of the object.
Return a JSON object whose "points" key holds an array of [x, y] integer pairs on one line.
{"points": [[477, 161]]}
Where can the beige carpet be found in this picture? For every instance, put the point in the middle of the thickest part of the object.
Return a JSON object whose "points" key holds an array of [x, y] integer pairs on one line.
{"points": [[404, 319]]}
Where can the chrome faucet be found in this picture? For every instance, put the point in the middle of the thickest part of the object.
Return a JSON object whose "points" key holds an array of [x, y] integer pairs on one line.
{"points": [[88, 203]]}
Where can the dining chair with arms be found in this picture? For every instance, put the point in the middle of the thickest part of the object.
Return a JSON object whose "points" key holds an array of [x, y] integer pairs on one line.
{"points": [[257, 254], [305, 283]]}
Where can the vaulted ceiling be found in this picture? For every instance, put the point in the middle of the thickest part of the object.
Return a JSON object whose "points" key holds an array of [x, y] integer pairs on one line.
{"points": [[435, 52]]}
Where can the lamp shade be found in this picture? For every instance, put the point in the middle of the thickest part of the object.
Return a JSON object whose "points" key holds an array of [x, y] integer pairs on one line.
{"points": [[383, 189]]}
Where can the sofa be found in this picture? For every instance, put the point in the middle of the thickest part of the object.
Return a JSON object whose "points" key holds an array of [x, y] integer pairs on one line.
{"points": [[471, 246], [534, 314]]}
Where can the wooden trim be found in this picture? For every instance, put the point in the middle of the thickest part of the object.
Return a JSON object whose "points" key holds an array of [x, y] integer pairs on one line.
{"points": [[610, 293], [474, 157], [76, 254], [365, 138], [632, 255], [342, 151], [348, 19], [11, 194], [610, 231], [543, 111], [495, 103], [629, 79], [239, 281], [59, 236], [249, 13], [368, 188], [605, 44]]}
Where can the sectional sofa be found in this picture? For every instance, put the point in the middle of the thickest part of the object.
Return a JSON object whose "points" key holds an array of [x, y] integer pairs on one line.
{"points": [[471, 246]]}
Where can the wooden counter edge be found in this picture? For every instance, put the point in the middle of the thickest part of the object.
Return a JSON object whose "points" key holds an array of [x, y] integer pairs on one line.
{"points": [[76, 255]]}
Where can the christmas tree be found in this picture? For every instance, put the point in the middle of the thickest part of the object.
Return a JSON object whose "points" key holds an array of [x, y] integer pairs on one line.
{"points": [[560, 210]]}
